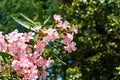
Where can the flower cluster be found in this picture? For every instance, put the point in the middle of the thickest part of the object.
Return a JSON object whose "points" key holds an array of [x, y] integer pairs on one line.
{"points": [[67, 37], [27, 61]]}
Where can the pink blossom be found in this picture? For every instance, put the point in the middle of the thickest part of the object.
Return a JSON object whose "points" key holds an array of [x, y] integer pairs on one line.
{"points": [[37, 28], [52, 34], [3, 44], [28, 36], [40, 62], [17, 42], [63, 25], [67, 38], [13, 36], [49, 62], [43, 63], [70, 47], [57, 18], [28, 49], [26, 69], [33, 57], [22, 56], [43, 75], [2, 68], [17, 47], [40, 46], [74, 30]]}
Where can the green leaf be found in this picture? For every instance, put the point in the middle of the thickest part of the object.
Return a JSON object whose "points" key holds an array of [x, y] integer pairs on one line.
{"points": [[118, 68], [59, 59], [6, 74], [28, 19], [30, 24], [46, 20], [5, 55], [56, 56], [40, 11], [23, 24], [36, 37]]}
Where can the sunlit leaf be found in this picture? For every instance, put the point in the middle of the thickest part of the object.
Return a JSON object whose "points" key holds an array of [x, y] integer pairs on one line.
{"points": [[5, 55], [46, 20], [5, 74], [36, 37], [58, 58], [23, 24], [28, 19]]}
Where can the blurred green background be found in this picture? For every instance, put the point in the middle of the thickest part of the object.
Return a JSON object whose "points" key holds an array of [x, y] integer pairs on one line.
{"points": [[98, 39]]}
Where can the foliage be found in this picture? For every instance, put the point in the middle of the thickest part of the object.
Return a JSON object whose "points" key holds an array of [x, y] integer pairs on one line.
{"points": [[98, 38], [31, 8]]}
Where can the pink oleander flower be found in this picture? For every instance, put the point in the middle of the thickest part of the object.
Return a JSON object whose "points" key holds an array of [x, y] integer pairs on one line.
{"points": [[52, 34], [70, 47], [17, 47], [33, 57], [17, 42], [43, 75], [28, 36], [74, 30], [25, 69], [57, 18], [49, 62], [43, 63], [3, 44], [2, 68], [40, 62], [37, 28], [67, 38], [13, 36], [22, 56], [40, 46], [31, 73], [63, 25]]}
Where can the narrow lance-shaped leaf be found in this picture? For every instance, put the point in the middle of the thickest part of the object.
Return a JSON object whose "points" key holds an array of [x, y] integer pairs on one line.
{"points": [[30, 24], [23, 24], [57, 56], [5, 55], [28, 19], [36, 37], [46, 21]]}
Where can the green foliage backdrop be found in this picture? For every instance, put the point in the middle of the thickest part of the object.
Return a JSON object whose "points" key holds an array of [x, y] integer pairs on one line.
{"points": [[98, 38], [31, 8]]}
